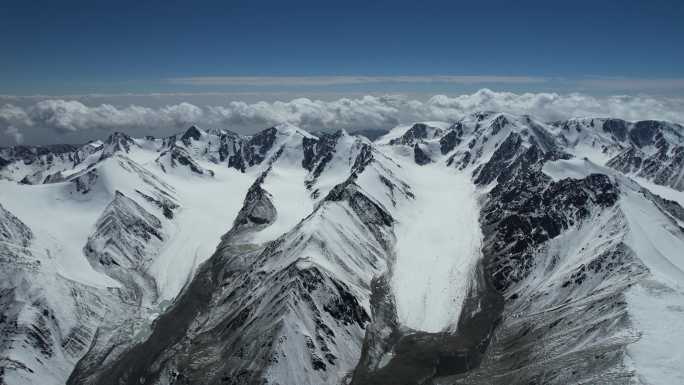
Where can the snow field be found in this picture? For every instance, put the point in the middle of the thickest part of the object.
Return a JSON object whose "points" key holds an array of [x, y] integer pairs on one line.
{"points": [[438, 245]]}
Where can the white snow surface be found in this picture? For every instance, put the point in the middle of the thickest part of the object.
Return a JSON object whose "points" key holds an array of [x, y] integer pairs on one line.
{"points": [[656, 306], [285, 183], [209, 206], [438, 245], [575, 168], [61, 226], [63, 219], [663, 191], [657, 240], [657, 311]]}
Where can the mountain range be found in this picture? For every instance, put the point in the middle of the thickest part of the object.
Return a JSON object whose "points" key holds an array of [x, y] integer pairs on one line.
{"points": [[493, 249]]}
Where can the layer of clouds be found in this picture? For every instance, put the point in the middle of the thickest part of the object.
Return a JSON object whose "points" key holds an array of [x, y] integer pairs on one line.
{"points": [[11, 118], [54, 118], [71, 115]]}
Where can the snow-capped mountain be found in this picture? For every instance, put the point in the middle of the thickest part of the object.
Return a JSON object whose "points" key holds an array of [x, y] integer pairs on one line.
{"points": [[493, 249]]}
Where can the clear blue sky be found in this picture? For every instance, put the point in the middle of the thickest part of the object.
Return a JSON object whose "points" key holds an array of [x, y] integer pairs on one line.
{"points": [[68, 47]]}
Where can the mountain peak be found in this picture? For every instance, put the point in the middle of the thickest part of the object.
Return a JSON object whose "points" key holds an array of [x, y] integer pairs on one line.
{"points": [[193, 132], [118, 137], [116, 142]]}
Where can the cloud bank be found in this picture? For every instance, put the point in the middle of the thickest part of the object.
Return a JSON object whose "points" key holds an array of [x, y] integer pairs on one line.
{"points": [[55, 117]]}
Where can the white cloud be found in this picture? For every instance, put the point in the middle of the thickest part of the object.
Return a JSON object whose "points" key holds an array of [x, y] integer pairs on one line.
{"points": [[14, 133], [11, 114], [71, 115], [12, 117], [553, 106], [65, 116]]}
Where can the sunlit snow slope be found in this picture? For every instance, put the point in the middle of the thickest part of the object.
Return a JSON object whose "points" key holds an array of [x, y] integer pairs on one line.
{"points": [[438, 245]]}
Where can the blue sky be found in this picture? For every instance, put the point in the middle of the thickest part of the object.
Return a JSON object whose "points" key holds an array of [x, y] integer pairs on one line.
{"points": [[79, 47], [72, 71]]}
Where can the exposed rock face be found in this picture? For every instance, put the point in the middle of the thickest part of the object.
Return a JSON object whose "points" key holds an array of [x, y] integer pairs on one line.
{"points": [[179, 157], [84, 182], [665, 166], [618, 128], [578, 234], [504, 155], [318, 152], [13, 230], [419, 156], [521, 217], [229, 148], [34, 164], [414, 134], [644, 133], [255, 149], [647, 149], [192, 133], [125, 239], [165, 203], [117, 142], [4, 162], [498, 124], [31, 154], [449, 141], [257, 210]]}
